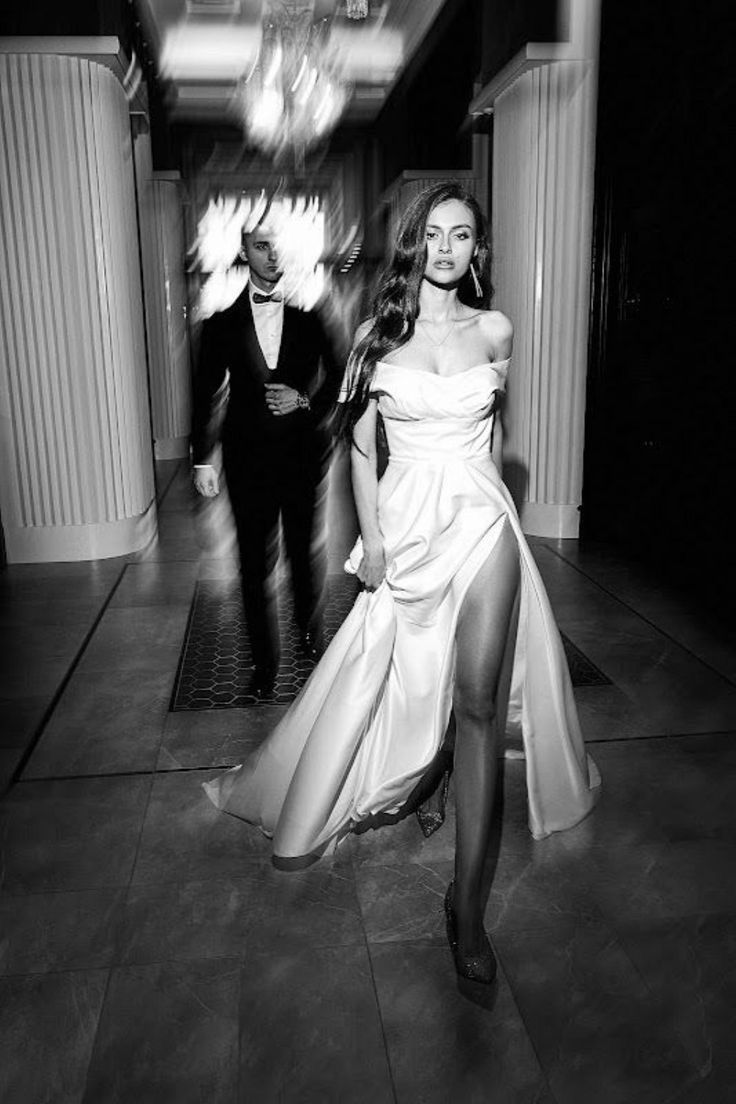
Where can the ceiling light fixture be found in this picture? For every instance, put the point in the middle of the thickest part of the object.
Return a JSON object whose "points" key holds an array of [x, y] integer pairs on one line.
{"points": [[295, 93]]}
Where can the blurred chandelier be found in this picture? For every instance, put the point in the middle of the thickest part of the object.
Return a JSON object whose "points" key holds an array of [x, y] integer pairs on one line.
{"points": [[295, 93]]}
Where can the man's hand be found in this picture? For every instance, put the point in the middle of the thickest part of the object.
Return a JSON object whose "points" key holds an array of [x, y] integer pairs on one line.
{"points": [[206, 481], [281, 399]]}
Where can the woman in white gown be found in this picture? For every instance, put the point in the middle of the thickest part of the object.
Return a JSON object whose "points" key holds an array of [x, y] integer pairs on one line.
{"points": [[453, 617]]}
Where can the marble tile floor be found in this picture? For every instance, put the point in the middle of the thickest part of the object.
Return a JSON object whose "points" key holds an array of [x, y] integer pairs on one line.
{"points": [[150, 952]]}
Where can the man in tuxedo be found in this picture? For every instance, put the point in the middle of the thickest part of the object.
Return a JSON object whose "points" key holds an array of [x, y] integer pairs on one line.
{"points": [[283, 382]]}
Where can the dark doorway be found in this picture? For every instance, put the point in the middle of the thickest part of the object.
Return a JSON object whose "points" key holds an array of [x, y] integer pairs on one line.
{"points": [[659, 461]]}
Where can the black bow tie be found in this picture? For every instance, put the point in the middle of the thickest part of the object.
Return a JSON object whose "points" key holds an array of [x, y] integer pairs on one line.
{"points": [[274, 297]]}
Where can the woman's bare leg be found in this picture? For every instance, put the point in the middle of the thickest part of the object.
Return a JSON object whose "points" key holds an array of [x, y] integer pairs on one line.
{"points": [[486, 620]]}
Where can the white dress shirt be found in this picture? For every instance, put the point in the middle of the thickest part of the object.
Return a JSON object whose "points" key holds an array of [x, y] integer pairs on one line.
{"points": [[268, 319]]}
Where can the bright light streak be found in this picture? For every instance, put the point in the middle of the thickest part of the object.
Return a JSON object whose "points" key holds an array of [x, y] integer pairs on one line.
{"points": [[324, 103], [324, 112], [219, 291], [278, 57], [267, 111], [219, 235], [300, 74], [307, 89], [298, 225]]}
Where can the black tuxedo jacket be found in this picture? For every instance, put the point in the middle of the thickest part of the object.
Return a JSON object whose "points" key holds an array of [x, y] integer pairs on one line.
{"points": [[306, 362]]}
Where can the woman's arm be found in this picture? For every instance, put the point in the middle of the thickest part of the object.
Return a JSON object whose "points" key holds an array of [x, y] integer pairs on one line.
{"points": [[363, 461], [497, 442], [500, 334]]}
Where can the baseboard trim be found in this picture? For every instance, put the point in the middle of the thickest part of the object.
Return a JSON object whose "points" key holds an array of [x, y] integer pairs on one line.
{"points": [[65, 543], [542, 519]]}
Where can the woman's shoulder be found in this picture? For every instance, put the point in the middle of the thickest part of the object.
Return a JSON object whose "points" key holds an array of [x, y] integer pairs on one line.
{"points": [[498, 330], [496, 323]]}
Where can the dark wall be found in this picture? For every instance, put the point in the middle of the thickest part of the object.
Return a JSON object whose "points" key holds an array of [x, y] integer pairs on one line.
{"points": [[424, 124], [508, 25], [80, 17], [118, 18], [660, 452]]}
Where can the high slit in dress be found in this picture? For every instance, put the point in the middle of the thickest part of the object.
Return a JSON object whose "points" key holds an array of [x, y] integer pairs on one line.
{"points": [[371, 718]]}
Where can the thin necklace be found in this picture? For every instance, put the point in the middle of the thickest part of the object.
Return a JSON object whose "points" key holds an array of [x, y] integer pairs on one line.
{"points": [[428, 322]]}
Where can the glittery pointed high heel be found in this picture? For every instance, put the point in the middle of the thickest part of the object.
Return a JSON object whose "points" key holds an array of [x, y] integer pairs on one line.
{"points": [[432, 819], [475, 973]]}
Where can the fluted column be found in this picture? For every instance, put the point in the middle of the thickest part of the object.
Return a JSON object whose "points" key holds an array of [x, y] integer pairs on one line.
{"points": [[543, 172], [162, 253], [76, 477]]}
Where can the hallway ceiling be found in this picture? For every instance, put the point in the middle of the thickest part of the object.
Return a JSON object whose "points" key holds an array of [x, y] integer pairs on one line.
{"points": [[205, 47]]}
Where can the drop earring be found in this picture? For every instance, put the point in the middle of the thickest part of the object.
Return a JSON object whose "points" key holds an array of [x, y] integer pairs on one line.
{"points": [[476, 282]]}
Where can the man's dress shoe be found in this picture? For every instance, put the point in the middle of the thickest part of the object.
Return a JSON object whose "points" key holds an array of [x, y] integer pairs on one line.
{"points": [[261, 684], [311, 644]]}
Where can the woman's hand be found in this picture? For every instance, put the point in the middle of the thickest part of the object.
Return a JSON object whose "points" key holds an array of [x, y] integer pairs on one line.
{"points": [[372, 568], [205, 480]]}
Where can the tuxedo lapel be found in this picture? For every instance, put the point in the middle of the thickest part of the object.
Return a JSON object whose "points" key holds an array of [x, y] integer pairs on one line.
{"points": [[288, 337]]}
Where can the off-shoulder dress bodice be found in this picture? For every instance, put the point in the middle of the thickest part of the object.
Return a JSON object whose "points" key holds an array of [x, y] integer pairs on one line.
{"points": [[430, 417]]}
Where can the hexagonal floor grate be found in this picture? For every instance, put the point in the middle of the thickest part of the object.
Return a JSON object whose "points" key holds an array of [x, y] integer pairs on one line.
{"points": [[215, 663]]}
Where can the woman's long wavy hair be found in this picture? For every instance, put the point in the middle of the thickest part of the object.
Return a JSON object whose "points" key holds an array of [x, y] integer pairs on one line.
{"points": [[396, 303]]}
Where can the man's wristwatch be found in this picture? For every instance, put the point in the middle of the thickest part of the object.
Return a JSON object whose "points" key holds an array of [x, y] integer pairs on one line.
{"points": [[302, 402]]}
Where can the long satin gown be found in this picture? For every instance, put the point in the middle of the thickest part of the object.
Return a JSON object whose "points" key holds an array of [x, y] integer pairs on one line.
{"points": [[373, 714]]}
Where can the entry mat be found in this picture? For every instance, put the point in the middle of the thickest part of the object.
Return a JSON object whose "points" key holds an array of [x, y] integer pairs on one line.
{"points": [[215, 664]]}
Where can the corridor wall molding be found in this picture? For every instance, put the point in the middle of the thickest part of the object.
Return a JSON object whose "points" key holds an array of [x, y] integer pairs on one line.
{"points": [[543, 105], [76, 465], [162, 244]]}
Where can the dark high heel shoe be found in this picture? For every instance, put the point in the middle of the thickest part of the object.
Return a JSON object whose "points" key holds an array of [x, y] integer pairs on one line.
{"points": [[475, 973], [432, 819]]}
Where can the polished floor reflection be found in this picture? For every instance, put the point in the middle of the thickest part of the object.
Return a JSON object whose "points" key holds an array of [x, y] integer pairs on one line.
{"points": [[149, 951]]}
